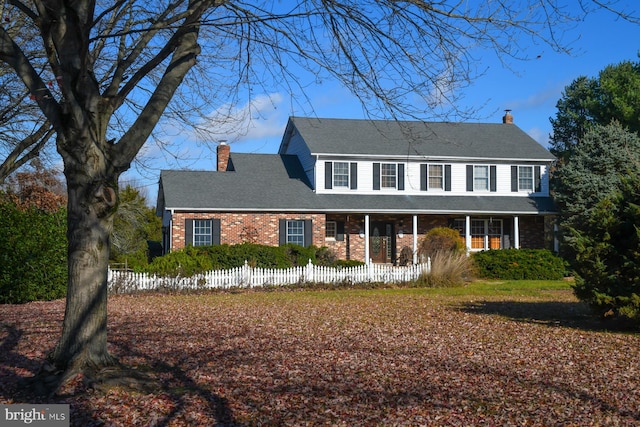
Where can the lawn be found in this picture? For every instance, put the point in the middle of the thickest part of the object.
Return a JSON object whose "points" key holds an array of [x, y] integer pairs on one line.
{"points": [[488, 354]]}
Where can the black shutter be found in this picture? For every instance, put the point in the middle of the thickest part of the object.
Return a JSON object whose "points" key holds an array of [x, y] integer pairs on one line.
{"points": [[424, 185], [514, 178], [188, 232], [353, 170], [215, 231], [340, 231], [308, 232], [282, 232], [376, 176], [492, 178], [447, 177], [328, 175], [537, 182], [401, 176], [469, 177]]}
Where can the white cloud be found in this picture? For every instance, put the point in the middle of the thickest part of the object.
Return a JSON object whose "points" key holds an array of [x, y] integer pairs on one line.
{"points": [[262, 117]]}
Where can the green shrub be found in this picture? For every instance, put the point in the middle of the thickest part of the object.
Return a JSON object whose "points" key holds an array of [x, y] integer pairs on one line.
{"points": [[519, 264], [193, 260], [441, 239], [33, 254]]}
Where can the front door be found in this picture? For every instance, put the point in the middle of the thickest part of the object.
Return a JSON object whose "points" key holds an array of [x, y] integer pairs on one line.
{"points": [[380, 242]]}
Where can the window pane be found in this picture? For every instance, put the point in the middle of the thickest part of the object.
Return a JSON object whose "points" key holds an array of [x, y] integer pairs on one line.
{"points": [[477, 234], [525, 178], [495, 234], [388, 175], [331, 229], [201, 232], [481, 178], [295, 232], [341, 174], [436, 179]]}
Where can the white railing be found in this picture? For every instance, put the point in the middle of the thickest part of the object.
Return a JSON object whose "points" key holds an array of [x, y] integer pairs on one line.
{"points": [[252, 277]]}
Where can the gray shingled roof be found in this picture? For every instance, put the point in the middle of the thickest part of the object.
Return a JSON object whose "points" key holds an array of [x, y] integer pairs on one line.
{"points": [[409, 138], [277, 183]]}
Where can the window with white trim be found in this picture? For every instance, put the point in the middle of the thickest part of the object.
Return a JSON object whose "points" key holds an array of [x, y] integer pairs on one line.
{"points": [[485, 233], [341, 174], [525, 178], [435, 179], [388, 175], [295, 232], [202, 232], [331, 230], [480, 178]]}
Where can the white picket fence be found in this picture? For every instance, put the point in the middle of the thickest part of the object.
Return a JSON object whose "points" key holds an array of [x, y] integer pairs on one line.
{"points": [[253, 277]]}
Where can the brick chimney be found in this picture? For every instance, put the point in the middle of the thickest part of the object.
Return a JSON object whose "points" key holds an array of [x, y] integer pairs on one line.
{"points": [[508, 118], [223, 152]]}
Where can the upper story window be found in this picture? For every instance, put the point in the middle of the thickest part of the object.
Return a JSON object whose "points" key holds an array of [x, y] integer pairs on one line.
{"points": [[526, 178], [341, 174], [435, 180], [481, 178], [388, 175], [435, 176]]}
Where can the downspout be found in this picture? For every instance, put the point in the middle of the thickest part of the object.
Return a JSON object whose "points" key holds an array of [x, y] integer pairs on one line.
{"points": [[516, 232], [171, 212], [415, 239]]}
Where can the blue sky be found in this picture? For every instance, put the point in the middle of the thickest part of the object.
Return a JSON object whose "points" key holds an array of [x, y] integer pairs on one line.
{"points": [[530, 89]]}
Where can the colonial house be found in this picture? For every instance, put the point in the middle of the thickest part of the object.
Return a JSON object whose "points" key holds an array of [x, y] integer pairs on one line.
{"points": [[367, 189]]}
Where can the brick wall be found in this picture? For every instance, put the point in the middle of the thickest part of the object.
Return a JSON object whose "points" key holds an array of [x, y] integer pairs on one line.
{"points": [[244, 227], [263, 228]]}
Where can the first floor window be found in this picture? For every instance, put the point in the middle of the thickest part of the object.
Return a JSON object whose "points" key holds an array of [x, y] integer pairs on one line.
{"points": [[295, 232], [485, 233], [202, 232], [331, 229]]}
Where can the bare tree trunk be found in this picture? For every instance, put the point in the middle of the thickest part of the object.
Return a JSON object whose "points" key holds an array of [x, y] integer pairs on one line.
{"points": [[92, 203]]}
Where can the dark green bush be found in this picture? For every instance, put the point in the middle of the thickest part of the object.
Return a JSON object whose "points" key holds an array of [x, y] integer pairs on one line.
{"points": [[193, 260], [519, 264], [33, 254]]}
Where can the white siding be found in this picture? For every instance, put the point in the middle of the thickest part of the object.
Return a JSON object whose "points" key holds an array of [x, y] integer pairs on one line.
{"points": [[412, 178]]}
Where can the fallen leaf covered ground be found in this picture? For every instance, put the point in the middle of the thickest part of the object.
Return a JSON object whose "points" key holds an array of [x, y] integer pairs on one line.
{"points": [[395, 357]]}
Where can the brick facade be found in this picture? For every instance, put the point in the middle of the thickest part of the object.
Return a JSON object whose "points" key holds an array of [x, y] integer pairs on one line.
{"points": [[263, 228]]}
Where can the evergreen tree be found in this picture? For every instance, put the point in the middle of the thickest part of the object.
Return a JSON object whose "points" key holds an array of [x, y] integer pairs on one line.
{"points": [[598, 193], [613, 95]]}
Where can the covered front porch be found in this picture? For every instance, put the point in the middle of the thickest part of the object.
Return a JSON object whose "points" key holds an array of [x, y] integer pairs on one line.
{"points": [[379, 238]]}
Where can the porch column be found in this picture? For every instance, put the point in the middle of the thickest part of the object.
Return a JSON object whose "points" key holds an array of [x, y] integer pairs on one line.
{"points": [[415, 239], [366, 240], [516, 232], [467, 232]]}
